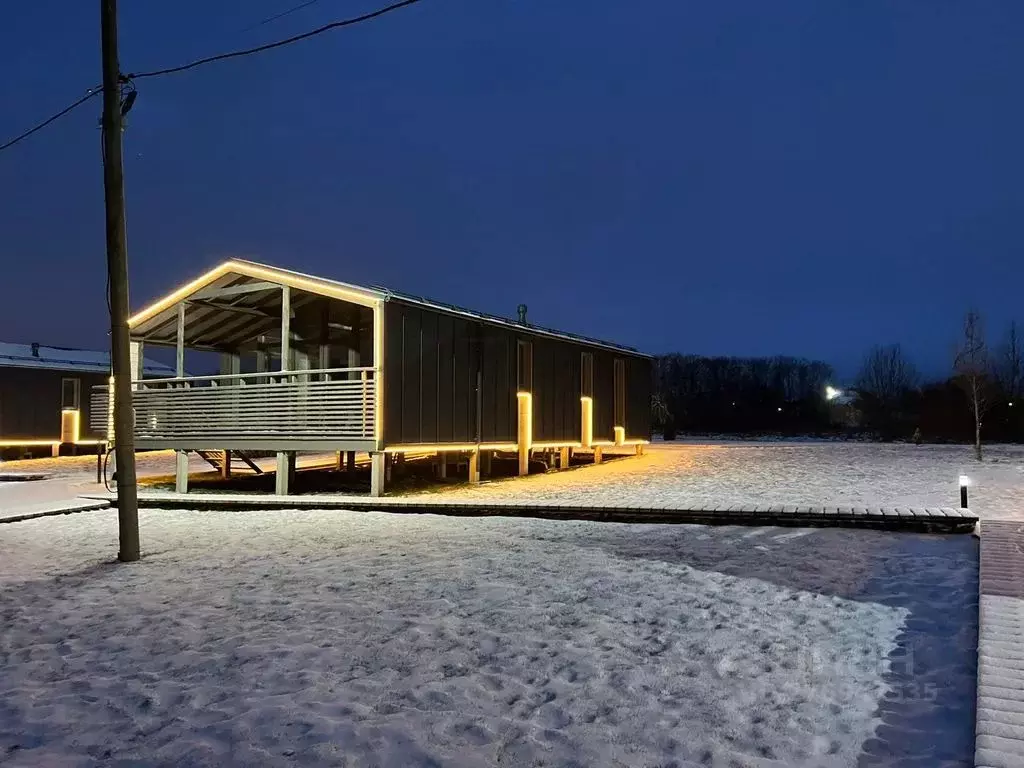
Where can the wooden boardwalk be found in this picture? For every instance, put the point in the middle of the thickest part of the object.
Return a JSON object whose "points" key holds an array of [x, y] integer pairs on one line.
{"points": [[921, 519], [1000, 724]]}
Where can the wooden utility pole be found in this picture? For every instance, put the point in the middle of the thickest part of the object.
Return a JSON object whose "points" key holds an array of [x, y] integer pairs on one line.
{"points": [[117, 274]]}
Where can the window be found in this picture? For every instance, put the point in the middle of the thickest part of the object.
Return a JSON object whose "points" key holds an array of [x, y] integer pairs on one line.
{"points": [[587, 374], [524, 378], [620, 393], [70, 393]]}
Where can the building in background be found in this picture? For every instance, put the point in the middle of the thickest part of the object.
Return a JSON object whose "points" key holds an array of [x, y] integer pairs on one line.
{"points": [[44, 397], [310, 364]]}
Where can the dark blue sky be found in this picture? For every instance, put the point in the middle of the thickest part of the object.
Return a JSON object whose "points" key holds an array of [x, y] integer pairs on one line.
{"points": [[746, 178]]}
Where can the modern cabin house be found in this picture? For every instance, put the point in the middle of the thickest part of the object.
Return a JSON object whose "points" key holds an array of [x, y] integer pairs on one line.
{"points": [[44, 397], [310, 364]]}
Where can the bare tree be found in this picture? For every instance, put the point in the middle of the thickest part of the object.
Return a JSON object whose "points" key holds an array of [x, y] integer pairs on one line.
{"points": [[886, 373], [1009, 366], [971, 366]]}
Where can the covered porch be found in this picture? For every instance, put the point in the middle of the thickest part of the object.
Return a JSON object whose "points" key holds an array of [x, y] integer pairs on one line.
{"points": [[282, 363]]}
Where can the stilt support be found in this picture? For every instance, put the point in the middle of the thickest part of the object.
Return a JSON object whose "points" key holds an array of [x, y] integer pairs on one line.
{"points": [[442, 465], [225, 468], [598, 454], [350, 462], [639, 449], [378, 462], [474, 466], [485, 462], [181, 472], [285, 472], [563, 458]]}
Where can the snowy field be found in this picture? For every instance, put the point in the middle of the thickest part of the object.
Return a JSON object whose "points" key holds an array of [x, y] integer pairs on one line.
{"points": [[846, 474], [320, 638]]}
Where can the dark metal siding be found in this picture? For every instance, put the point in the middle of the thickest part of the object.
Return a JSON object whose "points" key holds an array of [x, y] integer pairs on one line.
{"points": [[638, 398], [30, 402], [431, 363], [604, 395]]}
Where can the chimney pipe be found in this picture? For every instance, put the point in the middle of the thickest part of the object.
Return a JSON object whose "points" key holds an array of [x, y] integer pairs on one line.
{"points": [[35, 349], [521, 310]]}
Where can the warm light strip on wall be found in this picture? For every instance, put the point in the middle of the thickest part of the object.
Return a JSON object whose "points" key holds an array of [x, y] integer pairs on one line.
{"points": [[378, 374], [587, 420], [72, 432], [25, 443], [557, 444], [450, 447], [526, 398]]}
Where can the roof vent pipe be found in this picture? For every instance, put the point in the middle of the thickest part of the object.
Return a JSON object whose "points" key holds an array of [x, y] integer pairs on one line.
{"points": [[35, 349], [521, 310]]}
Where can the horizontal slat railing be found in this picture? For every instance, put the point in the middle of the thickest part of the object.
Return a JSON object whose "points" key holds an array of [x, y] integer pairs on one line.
{"points": [[325, 404]]}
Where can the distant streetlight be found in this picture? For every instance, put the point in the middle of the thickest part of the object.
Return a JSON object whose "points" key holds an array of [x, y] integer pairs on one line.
{"points": [[831, 393]]}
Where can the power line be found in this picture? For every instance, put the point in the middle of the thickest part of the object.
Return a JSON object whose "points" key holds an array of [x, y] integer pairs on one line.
{"points": [[281, 15], [277, 44], [92, 92]]}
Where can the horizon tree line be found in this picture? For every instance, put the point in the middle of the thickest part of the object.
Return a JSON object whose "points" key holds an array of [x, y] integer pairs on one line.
{"points": [[982, 398]]}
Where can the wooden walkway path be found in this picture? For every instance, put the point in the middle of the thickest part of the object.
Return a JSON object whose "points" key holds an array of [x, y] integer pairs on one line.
{"points": [[1000, 724], [930, 519]]}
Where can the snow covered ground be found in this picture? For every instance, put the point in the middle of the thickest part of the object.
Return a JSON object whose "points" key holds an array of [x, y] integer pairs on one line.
{"points": [[847, 474], [366, 639]]}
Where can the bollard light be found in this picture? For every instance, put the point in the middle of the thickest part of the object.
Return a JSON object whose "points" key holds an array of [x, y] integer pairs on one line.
{"points": [[964, 482]]}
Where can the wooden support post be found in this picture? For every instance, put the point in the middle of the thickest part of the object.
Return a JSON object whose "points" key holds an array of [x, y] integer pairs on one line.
{"points": [[55, 450], [563, 459], [138, 363], [598, 454], [225, 468], [181, 472], [339, 460], [284, 474], [293, 466], [378, 460], [474, 466], [350, 462], [442, 465], [179, 344], [639, 449], [286, 328], [485, 462], [552, 459]]}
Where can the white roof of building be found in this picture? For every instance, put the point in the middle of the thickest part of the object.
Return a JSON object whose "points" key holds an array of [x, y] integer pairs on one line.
{"points": [[67, 359]]}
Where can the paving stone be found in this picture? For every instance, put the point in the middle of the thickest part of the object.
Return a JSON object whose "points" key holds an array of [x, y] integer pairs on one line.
{"points": [[991, 758]]}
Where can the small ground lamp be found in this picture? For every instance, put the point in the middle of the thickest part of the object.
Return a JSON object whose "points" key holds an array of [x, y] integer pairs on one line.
{"points": [[964, 482]]}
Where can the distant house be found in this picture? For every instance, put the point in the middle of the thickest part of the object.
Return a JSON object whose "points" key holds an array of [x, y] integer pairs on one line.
{"points": [[44, 396]]}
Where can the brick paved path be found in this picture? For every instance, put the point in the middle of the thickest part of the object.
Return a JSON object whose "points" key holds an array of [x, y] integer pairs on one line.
{"points": [[1000, 724]]}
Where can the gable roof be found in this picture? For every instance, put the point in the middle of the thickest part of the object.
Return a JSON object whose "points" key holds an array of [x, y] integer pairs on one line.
{"points": [[368, 296], [67, 359]]}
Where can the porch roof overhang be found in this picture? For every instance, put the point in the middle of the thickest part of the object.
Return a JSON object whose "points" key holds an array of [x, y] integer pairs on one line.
{"points": [[241, 282], [236, 301]]}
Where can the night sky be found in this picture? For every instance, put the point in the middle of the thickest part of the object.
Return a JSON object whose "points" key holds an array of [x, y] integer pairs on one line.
{"points": [[748, 178]]}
